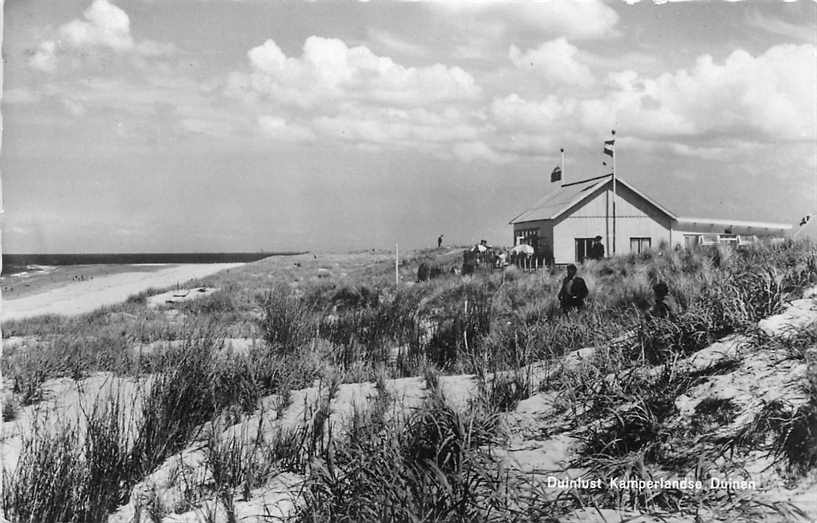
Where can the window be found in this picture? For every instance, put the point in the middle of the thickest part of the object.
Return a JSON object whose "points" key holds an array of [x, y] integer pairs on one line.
{"points": [[727, 239], [691, 240], [583, 248], [527, 236], [639, 245]]}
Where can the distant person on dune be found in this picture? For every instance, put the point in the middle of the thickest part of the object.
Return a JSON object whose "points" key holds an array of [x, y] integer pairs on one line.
{"points": [[573, 291], [440, 240]]}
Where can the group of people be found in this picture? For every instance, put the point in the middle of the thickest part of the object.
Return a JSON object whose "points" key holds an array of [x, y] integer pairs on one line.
{"points": [[573, 291]]}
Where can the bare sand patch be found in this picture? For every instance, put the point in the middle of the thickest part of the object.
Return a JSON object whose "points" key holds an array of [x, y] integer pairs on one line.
{"points": [[85, 296], [179, 296]]}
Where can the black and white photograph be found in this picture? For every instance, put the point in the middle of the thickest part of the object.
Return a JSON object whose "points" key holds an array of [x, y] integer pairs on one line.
{"points": [[411, 261]]}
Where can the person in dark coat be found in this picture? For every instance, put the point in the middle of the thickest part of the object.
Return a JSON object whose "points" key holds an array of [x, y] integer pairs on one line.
{"points": [[573, 291], [469, 262], [423, 272], [440, 240], [596, 249], [664, 306]]}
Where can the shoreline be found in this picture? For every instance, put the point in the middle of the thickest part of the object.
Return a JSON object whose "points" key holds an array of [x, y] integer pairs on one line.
{"points": [[79, 297]]}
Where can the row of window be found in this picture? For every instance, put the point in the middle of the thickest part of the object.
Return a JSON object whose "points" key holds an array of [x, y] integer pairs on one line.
{"points": [[637, 245], [694, 240], [531, 237]]}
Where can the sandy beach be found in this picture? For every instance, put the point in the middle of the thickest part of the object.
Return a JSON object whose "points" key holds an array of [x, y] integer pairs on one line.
{"points": [[78, 297]]}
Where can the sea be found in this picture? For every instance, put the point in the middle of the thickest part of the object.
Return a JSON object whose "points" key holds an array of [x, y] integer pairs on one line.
{"points": [[18, 263]]}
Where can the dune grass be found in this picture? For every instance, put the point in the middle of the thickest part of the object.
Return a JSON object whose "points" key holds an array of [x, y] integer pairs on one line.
{"points": [[436, 463]]}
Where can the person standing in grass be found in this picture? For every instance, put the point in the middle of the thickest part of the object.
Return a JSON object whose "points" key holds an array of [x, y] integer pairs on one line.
{"points": [[665, 305], [440, 240], [596, 251], [573, 291]]}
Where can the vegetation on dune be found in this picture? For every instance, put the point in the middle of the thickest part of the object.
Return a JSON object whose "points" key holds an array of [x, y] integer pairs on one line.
{"points": [[437, 462], [432, 465]]}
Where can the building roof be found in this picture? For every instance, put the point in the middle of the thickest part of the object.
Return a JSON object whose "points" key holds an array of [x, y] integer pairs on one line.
{"points": [[560, 201]]}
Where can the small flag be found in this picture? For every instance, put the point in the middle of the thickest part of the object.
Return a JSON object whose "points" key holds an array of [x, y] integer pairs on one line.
{"points": [[609, 147], [556, 175]]}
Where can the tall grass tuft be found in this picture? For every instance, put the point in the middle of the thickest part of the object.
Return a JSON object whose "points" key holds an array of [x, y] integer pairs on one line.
{"points": [[432, 466], [286, 324]]}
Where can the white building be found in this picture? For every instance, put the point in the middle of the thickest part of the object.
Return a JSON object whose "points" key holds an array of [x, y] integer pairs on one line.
{"points": [[562, 225]]}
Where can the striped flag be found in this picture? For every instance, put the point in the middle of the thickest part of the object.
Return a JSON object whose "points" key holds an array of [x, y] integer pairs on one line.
{"points": [[609, 147], [556, 175]]}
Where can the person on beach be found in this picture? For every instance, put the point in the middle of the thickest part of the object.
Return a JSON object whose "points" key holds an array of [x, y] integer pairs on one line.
{"points": [[573, 291]]}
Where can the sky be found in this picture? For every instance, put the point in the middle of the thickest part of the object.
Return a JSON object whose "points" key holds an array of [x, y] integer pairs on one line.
{"points": [[246, 125]]}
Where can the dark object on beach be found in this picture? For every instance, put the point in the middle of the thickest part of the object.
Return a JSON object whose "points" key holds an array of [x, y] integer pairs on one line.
{"points": [[440, 240]]}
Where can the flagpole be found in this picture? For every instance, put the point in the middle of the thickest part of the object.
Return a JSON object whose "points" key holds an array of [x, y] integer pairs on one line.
{"points": [[614, 196], [562, 150]]}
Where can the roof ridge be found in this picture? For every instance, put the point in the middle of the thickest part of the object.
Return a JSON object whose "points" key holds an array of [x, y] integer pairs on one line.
{"points": [[574, 194]]}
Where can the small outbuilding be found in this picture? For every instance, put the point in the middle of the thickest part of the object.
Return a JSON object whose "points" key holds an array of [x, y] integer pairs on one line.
{"points": [[562, 225]]}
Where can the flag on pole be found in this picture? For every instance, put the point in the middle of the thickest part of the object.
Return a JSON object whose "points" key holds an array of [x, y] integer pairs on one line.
{"points": [[609, 147], [556, 175]]}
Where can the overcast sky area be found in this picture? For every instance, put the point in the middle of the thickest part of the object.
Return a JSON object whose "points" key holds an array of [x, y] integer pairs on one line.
{"points": [[192, 125]]}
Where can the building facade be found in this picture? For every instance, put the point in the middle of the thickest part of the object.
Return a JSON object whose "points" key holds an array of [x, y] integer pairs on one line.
{"points": [[562, 225]]}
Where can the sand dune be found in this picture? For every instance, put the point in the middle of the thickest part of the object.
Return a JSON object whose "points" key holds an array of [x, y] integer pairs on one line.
{"points": [[85, 296]]}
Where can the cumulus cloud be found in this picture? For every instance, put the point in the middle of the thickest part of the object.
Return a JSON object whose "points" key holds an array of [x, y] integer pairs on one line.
{"points": [[557, 61], [572, 18], [45, 58], [329, 70], [351, 95], [768, 98], [764, 97], [103, 27]]}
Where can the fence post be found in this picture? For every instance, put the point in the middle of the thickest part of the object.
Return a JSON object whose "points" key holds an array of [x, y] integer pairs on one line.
{"points": [[465, 327]]}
